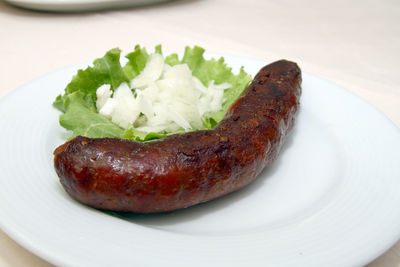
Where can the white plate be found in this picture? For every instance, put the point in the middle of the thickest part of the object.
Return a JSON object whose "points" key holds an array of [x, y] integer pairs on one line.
{"points": [[331, 198], [80, 5]]}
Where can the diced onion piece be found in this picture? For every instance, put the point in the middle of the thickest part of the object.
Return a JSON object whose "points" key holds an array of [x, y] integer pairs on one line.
{"points": [[199, 85], [103, 93], [108, 108], [152, 71], [178, 118], [145, 105], [122, 108]]}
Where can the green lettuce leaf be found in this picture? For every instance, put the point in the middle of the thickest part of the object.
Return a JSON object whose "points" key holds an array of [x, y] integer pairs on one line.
{"points": [[134, 134], [82, 118], [239, 82], [78, 103], [136, 62], [217, 70], [105, 70]]}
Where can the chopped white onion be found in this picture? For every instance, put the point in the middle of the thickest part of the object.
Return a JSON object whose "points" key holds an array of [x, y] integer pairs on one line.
{"points": [[168, 98]]}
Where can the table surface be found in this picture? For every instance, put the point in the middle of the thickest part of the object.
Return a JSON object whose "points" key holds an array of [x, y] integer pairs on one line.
{"points": [[355, 44]]}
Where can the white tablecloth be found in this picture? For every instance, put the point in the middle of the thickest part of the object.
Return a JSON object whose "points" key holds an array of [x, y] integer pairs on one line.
{"points": [[352, 43]]}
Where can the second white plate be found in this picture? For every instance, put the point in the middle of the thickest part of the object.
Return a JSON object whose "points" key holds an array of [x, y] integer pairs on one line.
{"points": [[80, 5]]}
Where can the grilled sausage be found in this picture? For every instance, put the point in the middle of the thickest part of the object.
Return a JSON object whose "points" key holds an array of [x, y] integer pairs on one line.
{"points": [[182, 170]]}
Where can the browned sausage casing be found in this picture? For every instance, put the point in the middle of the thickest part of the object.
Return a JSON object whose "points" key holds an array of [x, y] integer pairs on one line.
{"points": [[182, 170]]}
